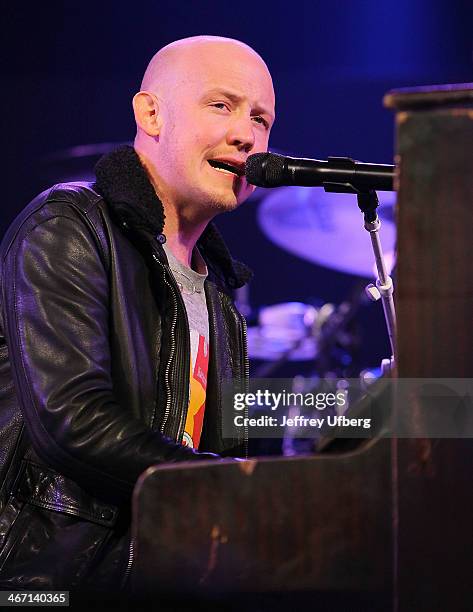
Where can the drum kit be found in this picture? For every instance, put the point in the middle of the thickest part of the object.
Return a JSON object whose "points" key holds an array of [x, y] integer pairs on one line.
{"points": [[322, 228], [325, 229]]}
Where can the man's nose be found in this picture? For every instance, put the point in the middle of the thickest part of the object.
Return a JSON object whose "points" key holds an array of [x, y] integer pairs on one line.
{"points": [[241, 133]]}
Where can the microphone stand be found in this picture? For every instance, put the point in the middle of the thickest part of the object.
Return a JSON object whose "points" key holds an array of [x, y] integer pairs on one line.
{"points": [[383, 289]]}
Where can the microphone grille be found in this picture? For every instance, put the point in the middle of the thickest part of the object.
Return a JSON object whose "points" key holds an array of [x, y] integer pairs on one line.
{"points": [[265, 169]]}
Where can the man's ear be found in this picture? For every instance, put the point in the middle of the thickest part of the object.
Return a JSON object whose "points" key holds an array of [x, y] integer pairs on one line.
{"points": [[147, 115]]}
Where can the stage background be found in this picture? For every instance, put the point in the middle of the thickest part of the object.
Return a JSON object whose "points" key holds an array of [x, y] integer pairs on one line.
{"points": [[70, 69]]}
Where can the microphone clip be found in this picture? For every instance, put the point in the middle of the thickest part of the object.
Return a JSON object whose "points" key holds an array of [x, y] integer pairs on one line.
{"points": [[346, 165]]}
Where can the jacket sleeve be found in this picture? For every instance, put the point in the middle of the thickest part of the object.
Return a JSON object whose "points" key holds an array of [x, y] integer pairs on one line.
{"points": [[56, 313]]}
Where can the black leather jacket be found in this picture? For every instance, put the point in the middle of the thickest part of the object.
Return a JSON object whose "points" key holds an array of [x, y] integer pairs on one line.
{"points": [[94, 367]]}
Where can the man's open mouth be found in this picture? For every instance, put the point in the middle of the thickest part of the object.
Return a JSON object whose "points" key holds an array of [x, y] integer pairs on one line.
{"points": [[226, 167]]}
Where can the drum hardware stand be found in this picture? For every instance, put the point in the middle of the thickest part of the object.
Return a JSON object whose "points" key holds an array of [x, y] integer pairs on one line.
{"points": [[337, 321], [383, 289], [326, 333]]}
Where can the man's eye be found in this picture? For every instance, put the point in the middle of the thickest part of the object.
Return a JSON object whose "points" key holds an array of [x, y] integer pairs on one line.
{"points": [[220, 105], [261, 120]]}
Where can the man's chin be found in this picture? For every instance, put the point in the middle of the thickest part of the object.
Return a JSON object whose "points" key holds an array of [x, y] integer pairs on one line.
{"points": [[220, 206], [227, 201]]}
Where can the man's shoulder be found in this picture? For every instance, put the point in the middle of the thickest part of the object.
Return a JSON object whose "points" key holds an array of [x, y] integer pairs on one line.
{"points": [[78, 200], [62, 198], [79, 193]]}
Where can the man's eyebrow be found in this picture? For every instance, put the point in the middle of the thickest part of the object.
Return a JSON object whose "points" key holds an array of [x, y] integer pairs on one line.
{"points": [[236, 98]]}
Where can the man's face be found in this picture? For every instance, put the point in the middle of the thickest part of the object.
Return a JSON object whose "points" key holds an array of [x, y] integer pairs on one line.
{"points": [[216, 114]]}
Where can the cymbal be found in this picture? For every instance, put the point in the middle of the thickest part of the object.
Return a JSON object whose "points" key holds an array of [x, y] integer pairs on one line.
{"points": [[326, 228], [75, 163]]}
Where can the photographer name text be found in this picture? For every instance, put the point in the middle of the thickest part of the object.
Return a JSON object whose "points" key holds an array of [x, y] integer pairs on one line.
{"points": [[301, 421]]}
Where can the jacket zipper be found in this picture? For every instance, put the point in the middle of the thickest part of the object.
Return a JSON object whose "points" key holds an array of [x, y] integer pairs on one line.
{"points": [[246, 373], [130, 563], [183, 415], [173, 348], [211, 300], [168, 398]]}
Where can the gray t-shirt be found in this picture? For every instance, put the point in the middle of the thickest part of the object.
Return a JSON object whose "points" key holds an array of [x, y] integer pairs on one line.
{"points": [[191, 285]]}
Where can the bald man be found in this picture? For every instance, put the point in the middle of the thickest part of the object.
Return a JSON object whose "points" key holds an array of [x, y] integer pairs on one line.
{"points": [[117, 325]]}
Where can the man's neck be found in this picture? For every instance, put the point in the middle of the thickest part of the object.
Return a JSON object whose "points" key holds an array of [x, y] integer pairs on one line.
{"points": [[182, 249], [181, 236], [181, 232]]}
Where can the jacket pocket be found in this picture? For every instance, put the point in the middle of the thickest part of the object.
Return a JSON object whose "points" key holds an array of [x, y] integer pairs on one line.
{"points": [[46, 488], [53, 532]]}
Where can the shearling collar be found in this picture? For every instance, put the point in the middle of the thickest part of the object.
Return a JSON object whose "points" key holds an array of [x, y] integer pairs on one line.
{"points": [[124, 184]]}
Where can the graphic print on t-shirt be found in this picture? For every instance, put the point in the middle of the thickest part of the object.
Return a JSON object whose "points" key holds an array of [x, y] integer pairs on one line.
{"points": [[199, 366]]}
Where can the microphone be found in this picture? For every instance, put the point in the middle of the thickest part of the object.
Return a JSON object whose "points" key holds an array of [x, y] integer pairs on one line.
{"points": [[337, 174]]}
